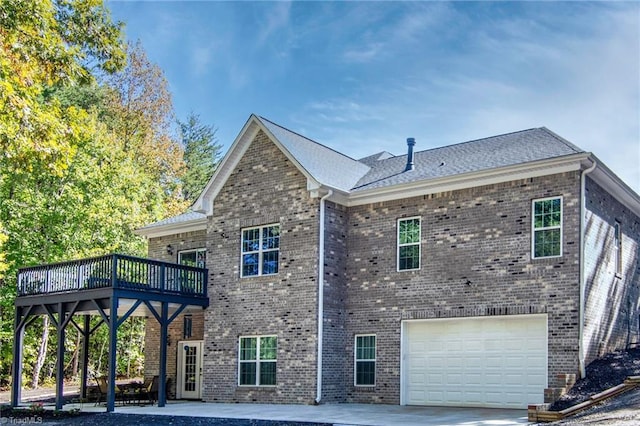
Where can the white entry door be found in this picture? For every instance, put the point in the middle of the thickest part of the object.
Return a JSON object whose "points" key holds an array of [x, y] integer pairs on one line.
{"points": [[189, 383]]}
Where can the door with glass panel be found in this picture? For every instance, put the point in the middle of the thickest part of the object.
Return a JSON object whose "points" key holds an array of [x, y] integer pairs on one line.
{"points": [[189, 383]]}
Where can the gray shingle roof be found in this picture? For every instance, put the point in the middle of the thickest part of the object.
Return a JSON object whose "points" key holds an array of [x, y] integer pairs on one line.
{"points": [[482, 154], [372, 160], [383, 169], [327, 166], [182, 218]]}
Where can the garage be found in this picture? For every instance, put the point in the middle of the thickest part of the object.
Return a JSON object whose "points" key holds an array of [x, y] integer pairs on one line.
{"points": [[496, 362]]}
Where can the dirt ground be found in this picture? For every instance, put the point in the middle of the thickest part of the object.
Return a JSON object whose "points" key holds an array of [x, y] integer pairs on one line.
{"points": [[623, 410], [602, 374]]}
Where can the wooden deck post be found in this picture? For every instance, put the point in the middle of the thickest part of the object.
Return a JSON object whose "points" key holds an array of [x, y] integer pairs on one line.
{"points": [[60, 325], [16, 368], [162, 391], [113, 337]]}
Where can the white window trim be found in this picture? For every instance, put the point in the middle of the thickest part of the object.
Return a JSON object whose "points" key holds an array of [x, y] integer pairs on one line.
{"points": [[398, 245], [617, 248], [355, 361], [259, 251], [257, 360], [533, 228], [196, 250]]}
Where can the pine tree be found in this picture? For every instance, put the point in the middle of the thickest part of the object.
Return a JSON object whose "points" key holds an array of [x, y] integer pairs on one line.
{"points": [[201, 155]]}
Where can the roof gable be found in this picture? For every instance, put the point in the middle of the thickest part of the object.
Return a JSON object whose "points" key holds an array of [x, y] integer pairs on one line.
{"points": [[321, 165], [327, 166]]}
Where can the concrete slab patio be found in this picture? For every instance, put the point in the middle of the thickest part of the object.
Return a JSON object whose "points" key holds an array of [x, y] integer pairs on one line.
{"points": [[337, 414]]}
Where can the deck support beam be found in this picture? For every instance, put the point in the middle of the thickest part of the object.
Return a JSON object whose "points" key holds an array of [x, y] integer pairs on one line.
{"points": [[60, 326], [164, 325], [113, 346], [16, 369]]}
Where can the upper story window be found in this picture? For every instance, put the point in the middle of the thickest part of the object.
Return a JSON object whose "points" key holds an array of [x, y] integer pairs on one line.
{"points": [[195, 257], [547, 227], [257, 361], [409, 244], [617, 247], [365, 360], [260, 250]]}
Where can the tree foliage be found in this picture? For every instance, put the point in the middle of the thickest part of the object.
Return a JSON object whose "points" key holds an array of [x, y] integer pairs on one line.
{"points": [[201, 155], [87, 155], [45, 44]]}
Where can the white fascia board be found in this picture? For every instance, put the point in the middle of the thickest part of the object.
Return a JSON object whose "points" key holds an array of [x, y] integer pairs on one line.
{"points": [[464, 181], [173, 228], [615, 186]]}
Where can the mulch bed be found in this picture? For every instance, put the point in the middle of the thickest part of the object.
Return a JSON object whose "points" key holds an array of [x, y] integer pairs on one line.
{"points": [[602, 374]]}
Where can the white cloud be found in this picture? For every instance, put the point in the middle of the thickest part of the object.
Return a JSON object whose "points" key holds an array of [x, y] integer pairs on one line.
{"points": [[581, 84]]}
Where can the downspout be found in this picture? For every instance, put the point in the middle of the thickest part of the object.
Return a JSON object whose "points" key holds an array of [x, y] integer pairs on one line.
{"points": [[583, 284], [321, 296]]}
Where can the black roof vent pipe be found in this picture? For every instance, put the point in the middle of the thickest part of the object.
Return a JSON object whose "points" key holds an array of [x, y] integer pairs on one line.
{"points": [[410, 143]]}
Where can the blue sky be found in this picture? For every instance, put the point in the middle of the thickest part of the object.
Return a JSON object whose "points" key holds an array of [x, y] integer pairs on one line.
{"points": [[361, 77]]}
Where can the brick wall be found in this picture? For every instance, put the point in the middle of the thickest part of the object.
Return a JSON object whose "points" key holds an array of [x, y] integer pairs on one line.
{"points": [[334, 355], [611, 302], [475, 261], [158, 250], [264, 188]]}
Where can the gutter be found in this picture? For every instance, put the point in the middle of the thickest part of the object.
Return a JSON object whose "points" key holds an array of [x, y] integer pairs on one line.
{"points": [[583, 210], [320, 297]]}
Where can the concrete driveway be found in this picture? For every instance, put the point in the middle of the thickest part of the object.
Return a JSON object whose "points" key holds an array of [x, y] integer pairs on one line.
{"points": [[340, 414]]}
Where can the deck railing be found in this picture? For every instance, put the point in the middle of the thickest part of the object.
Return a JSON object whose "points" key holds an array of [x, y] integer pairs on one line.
{"points": [[116, 271]]}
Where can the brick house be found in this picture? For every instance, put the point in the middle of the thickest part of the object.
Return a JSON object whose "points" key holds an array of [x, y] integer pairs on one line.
{"points": [[487, 273]]}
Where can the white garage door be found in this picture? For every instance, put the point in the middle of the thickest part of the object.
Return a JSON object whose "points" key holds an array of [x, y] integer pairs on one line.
{"points": [[475, 362]]}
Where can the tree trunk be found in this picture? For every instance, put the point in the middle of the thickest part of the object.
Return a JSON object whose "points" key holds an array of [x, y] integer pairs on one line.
{"points": [[99, 369], [76, 353], [42, 353]]}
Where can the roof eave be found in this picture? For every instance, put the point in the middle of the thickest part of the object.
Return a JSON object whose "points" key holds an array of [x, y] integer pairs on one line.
{"points": [[199, 224], [618, 189], [468, 180]]}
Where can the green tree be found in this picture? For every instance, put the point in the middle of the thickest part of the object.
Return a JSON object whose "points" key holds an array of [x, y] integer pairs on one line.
{"points": [[201, 155], [88, 153], [140, 113], [44, 44]]}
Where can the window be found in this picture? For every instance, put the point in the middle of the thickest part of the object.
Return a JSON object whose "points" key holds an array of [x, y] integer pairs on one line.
{"points": [[365, 359], [408, 244], [257, 361], [197, 258], [187, 326], [260, 250], [617, 247], [547, 227]]}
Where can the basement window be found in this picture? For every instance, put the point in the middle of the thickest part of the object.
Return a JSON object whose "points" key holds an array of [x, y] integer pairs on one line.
{"points": [[365, 360], [257, 361], [617, 248]]}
